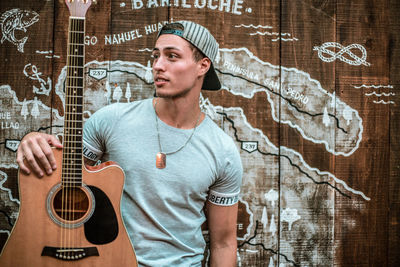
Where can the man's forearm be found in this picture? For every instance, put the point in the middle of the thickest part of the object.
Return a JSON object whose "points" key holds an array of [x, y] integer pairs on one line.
{"points": [[223, 256]]}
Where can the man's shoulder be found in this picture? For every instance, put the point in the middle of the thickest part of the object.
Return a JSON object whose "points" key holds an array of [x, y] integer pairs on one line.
{"points": [[219, 137]]}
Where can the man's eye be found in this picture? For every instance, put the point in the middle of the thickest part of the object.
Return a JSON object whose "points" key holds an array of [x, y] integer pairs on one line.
{"points": [[154, 56], [172, 56]]}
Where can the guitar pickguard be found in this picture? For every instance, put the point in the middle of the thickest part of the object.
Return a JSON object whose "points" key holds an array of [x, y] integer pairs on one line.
{"points": [[102, 227]]}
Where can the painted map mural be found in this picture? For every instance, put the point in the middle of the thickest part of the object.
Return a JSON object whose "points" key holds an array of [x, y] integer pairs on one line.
{"points": [[309, 95]]}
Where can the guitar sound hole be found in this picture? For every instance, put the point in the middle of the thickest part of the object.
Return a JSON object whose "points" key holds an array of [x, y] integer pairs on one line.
{"points": [[70, 203]]}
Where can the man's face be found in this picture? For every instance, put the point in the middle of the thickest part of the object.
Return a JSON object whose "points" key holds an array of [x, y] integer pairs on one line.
{"points": [[175, 71]]}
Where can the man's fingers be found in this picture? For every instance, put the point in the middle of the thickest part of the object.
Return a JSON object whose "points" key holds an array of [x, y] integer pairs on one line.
{"points": [[20, 161], [30, 158], [51, 139], [36, 149], [38, 152], [50, 161]]}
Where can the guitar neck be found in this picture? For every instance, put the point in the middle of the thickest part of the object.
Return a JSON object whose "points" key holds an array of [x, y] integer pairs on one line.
{"points": [[73, 117]]}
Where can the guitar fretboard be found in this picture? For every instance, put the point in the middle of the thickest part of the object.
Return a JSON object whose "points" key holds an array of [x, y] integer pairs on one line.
{"points": [[73, 117]]}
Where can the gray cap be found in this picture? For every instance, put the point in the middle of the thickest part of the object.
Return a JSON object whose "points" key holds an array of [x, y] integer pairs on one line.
{"points": [[202, 39]]}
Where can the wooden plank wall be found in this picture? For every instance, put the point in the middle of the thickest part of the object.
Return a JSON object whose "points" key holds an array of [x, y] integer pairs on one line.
{"points": [[310, 96]]}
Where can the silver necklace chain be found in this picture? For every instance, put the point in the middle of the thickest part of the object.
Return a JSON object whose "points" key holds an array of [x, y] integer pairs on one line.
{"points": [[158, 133]]}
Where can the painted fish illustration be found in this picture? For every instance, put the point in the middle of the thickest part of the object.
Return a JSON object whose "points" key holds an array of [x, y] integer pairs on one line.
{"points": [[17, 19]]}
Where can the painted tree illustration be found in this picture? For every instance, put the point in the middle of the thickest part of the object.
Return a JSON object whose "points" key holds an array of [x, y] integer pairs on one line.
{"points": [[325, 119], [333, 100], [271, 262], [272, 196], [272, 226], [117, 93], [148, 76], [128, 92], [264, 217], [108, 92], [290, 216], [348, 114], [24, 109], [35, 109]]}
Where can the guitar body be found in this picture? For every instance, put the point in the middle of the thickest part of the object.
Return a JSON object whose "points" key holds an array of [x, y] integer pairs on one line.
{"points": [[94, 236]]}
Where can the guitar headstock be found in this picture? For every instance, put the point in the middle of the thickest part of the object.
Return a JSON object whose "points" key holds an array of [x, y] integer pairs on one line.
{"points": [[78, 8]]}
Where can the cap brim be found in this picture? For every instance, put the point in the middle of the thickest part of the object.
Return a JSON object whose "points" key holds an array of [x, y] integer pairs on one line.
{"points": [[211, 81]]}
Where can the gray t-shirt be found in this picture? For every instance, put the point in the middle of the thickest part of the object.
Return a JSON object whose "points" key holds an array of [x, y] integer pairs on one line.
{"points": [[163, 208]]}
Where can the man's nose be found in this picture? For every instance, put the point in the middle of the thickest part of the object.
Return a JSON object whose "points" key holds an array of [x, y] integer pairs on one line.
{"points": [[159, 64]]}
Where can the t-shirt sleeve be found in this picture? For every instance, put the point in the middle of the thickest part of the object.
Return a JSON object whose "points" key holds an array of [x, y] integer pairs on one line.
{"points": [[225, 191], [96, 130]]}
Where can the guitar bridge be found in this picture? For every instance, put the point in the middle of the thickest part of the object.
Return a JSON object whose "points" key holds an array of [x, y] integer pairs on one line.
{"points": [[70, 254]]}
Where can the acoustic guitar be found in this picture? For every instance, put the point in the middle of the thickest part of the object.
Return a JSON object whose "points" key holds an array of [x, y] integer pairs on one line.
{"points": [[71, 217]]}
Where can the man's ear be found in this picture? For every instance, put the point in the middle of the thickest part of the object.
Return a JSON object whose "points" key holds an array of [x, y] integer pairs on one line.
{"points": [[204, 64]]}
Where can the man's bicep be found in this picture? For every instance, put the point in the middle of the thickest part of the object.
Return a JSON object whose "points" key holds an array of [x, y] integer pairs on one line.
{"points": [[222, 221]]}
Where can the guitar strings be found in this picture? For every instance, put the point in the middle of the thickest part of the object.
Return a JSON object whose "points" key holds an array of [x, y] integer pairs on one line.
{"points": [[72, 165]]}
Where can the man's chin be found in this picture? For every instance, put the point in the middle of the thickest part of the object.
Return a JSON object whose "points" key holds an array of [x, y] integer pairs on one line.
{"points": [[170, 94]]}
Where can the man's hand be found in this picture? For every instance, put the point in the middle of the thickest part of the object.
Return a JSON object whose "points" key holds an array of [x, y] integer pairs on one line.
{"points": [[35, 148]]}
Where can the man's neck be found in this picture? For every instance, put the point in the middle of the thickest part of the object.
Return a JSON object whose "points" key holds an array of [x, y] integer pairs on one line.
{"points": [[179, 112]]}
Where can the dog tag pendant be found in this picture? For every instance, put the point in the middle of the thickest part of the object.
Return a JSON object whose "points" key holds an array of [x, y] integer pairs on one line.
{"points": [[161, 160]]}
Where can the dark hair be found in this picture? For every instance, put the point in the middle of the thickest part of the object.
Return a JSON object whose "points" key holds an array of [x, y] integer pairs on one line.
{"points": [[197, 54]]}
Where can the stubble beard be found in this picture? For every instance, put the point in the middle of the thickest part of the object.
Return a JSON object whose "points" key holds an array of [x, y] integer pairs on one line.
{"points": [[169, 95]]}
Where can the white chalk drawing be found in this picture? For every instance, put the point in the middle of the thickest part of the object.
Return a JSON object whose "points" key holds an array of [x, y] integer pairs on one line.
{"points": [[326, 120], [343, 50], [383, 94], [290, 216], [277, 35], [233, 6], [348, 114], [98, 74], [128, 92], [270, 33], [264, 76], [272, 225], [254, 27], [17, 20], [3, 179], [264, 217], [383, 102], [374, 86], [32, 72], [117, 93], [24, 109], [249, 146], [12, 144], [272, 196], [380, 94], [49, 54], [145, 50], [35, 109], [149, 72], [284, 39], [271, 262], [108, 92]]}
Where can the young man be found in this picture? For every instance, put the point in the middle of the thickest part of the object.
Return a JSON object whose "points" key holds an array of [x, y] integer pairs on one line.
{"points": [[180, 167]]}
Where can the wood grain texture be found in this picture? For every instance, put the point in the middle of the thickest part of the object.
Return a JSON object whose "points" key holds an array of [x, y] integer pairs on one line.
{"points": [[337, 183]]}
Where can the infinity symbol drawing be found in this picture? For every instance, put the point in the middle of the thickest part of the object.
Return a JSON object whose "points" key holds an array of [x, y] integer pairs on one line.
{"points": [[356, 60]]}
